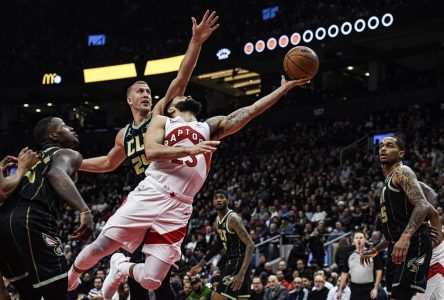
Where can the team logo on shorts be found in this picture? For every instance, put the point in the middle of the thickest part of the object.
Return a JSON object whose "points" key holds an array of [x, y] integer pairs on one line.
{"points": [[227, 280], [53, 242], [413, 264]]}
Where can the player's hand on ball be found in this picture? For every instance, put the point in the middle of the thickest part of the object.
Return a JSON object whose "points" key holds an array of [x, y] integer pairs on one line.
{"points": [[203, 30], [203, 147], [237, 281], [293, 83], [367, 255], [85, 228]]}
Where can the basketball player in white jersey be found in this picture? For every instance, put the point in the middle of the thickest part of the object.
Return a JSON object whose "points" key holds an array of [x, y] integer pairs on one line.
{"points": [[158, 210]]}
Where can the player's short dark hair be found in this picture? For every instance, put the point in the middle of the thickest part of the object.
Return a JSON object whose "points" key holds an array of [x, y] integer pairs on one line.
{"points": [[223, 192], [399, 143], [41, 130], [128, 90]]}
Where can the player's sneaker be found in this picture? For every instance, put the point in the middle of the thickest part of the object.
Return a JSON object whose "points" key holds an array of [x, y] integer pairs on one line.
{"points": [[74, 285], [114, 278]]}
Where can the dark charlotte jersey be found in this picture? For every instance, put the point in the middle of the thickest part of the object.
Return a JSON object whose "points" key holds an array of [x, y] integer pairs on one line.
{"points": [[35, 189], [395, 211], [233, 246], [134, 147]]}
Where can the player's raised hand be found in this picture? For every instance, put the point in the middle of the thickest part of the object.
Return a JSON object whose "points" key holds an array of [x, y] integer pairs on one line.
{"points": [[27, 158], [203, 30], [204, 147], [293, 83], [85, 228], [237, 281]]}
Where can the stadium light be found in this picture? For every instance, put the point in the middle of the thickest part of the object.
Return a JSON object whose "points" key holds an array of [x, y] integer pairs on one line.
{"points": [[38, 110], [348, 30], [333, 31], [387, 20], [307, 36], [271, 43], [359, 25], [260, 46], [164, 65], [350, 68], [26, 105], [373, 23], [295, 38], [320, 33], [49, 104], [283, 41], [109, 73]]}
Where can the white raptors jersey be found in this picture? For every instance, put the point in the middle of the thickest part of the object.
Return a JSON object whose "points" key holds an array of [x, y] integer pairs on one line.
{"points": [[185, 175]]}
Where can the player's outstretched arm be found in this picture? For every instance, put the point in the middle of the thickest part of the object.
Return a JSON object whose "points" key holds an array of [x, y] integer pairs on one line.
{"points": [[235, 224], [405, 178], [109, 162], [64, 166], [201, 32], [26, 159], [155, 149], [222, 126]]}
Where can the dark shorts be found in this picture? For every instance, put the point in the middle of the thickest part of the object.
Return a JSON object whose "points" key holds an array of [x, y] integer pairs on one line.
{"points": [[31, 246], [231, 269], [360, 291], [410, 277]]}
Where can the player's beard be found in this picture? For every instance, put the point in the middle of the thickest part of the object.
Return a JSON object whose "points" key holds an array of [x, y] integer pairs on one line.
{"points": [[190, 105]]}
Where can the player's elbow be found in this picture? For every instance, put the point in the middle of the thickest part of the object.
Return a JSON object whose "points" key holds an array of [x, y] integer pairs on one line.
{"points": [[151, 153], [55, 174]]}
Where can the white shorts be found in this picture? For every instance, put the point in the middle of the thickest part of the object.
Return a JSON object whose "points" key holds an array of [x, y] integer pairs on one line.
{"points": [[153, 215]]}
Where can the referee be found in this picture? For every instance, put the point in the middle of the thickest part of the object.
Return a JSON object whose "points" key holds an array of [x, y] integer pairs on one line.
{"points": [[363, 284]]}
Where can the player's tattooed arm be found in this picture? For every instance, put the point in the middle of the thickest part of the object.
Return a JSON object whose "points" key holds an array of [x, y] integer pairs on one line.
{"points": [[223, 126], [429, 193], [405, 178], [235, 224]]}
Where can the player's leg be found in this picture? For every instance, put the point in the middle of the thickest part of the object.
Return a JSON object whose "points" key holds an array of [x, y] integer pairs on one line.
{"points": [[149, 274], [164, 291], [4, 295], [89, 256], [136, 290], [25, 289]]}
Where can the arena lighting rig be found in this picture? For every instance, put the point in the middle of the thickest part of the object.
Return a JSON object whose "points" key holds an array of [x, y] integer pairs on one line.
{"points": [[171, 64], [319, 34]]}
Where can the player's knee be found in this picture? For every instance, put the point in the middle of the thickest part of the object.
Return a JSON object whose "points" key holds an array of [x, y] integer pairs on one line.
{"points": [[150, 284]]}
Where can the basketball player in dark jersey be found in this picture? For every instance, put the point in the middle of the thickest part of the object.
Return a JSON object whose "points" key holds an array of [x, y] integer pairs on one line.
{"points": [[129, 140], [8, 184], [28, 219], [234, 238], [403, 209]]}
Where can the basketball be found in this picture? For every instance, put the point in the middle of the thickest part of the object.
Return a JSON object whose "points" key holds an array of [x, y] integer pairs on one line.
{"points": [[301, 62]]}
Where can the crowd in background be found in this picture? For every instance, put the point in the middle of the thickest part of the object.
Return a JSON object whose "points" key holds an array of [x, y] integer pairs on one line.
{"points": [[284, 180]]}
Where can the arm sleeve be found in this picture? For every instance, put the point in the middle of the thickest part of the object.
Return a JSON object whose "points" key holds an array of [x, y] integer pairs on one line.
{"points": [[377, 261]]}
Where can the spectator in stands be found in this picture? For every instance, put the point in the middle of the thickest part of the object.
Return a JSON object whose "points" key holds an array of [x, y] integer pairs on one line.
{"points": [[336, 232], [96, 292], [298, 252], [261, 266], [286, 227], [319, 215], [257, 291], [320, 292], [324, 275], [332, 294], [282, 266], [282, 281], [185, 292], [275, 291], [123, 293], [298, 292], [343, 252], [199, 291]]}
